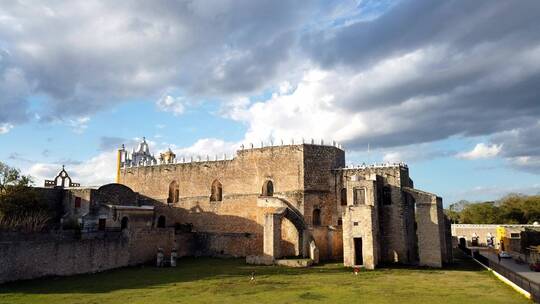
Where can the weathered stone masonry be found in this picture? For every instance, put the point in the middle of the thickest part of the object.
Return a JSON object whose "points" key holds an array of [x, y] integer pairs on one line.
{"points": [[286, 200]]}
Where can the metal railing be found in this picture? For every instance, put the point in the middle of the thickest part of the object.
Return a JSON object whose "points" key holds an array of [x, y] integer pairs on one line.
{"points": [[526, 284], [532, 287]]}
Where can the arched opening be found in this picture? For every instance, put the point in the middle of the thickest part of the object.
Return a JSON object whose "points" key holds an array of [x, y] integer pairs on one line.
{"points": [[343, 195], [268, 188], [174, 193], [124, 223], [289, 243], [216, 192], [316, 217], [161, 221]]}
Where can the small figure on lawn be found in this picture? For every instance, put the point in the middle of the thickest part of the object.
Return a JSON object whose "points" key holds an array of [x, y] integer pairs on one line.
{"points": [[174, 254], [159, 257], [252, 276], [356, 270]]}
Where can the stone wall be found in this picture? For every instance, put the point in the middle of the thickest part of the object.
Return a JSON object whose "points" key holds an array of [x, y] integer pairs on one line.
{"points": [[467, 231], [49, 256], [301, 175], [396, 218]]}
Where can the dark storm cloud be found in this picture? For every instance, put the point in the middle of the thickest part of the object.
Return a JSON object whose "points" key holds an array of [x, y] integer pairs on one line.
{"points": [[476, 71], [86, 56]]}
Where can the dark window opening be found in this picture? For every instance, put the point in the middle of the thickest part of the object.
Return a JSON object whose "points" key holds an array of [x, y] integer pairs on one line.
{"points": [[161, 221], [387, 197], [359, 196], [316, 217], [101, 224], [344, 197], [515, 235], [340, 222], [124, 223], [268, 188], [216, 191], [77, 202], [355, 223]]}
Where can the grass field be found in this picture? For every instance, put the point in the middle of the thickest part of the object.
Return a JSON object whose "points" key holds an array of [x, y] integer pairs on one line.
{"points": [[205, 280]]}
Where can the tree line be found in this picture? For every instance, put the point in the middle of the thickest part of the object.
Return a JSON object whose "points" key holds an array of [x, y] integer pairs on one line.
{"points": [[21, 208], [511, 209]]}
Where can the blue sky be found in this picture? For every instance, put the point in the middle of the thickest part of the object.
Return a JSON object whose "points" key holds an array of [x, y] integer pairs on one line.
{"points": [[443, 86]]}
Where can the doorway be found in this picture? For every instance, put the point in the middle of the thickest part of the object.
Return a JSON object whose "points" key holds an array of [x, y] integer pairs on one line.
{"points": [[358, 259], [462, 242]]}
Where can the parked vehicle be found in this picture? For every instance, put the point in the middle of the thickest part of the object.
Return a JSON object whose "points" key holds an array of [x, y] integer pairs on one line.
{"points": [[534, 267], [505, 255]]}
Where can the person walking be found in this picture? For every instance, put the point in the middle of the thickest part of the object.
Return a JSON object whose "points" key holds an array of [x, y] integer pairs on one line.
{"points": [[499, 257]]}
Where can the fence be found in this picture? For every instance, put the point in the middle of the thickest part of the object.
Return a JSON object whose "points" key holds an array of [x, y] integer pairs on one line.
{"points": [[530, 286]]}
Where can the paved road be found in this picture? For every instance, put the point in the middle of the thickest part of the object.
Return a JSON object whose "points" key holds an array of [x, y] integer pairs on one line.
{"points": [[522, 269]]}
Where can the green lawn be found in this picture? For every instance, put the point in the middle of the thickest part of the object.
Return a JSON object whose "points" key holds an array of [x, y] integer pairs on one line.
{"points": [[205, 280]]}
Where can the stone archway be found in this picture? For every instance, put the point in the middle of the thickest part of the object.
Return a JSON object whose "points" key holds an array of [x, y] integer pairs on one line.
{"points": [[272, 232]]}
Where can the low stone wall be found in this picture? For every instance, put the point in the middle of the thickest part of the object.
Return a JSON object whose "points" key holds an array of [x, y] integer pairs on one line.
{"points": [[28, 259], [227, 244]]}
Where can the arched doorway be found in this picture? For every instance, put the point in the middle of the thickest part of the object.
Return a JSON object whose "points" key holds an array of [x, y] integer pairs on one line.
{"points": [[268, 188], [124, 223], [161, 221], [272, 232]]}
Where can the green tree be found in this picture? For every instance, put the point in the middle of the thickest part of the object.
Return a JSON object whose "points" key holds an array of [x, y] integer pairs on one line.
{"points": [[20, 206], [481, 213]]}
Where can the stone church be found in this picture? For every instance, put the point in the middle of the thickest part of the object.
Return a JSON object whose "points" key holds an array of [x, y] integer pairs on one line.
{"points": [[297, 200]]}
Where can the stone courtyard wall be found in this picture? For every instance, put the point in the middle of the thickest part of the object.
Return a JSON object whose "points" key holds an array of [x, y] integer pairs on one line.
{"points": [[52, 256], [301, 175]]}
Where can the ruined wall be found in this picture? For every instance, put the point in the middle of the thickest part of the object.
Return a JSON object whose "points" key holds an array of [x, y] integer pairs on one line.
{"points": [[329, 241], [299, 173], [361, 221], [69, 197], [322, 188], [467, 231], [395, 227], [46, 256]]}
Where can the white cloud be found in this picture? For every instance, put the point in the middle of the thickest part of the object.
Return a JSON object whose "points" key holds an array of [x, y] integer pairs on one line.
{"points": [[171, 104], [96, 171], [78, 125], [5, 128], [481, 150], [210, 147]]}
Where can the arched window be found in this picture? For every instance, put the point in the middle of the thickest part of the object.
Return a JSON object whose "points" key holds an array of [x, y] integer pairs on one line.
{"points": [[268, 188], [174, 193], [343, 194], [124, 223], [217, 192], [161, 221], [316, 217]]}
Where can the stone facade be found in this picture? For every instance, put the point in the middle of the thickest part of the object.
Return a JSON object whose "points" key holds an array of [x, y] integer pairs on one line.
{"points": [[47, 256], [283, 200]]}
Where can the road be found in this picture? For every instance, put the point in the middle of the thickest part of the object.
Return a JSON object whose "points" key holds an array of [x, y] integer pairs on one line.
{"points": [[522, 269]]}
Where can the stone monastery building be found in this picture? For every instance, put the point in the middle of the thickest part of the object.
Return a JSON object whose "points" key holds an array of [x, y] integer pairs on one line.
{"points": [[293, 200]]}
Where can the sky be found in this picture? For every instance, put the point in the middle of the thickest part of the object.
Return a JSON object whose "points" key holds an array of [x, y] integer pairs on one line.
{"points": [[449, 87]]}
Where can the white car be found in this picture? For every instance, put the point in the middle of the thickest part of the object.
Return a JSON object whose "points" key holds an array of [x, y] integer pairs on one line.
{"points": [[505, 255]]}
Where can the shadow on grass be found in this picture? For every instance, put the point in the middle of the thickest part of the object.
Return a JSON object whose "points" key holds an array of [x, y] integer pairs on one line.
{"points": [[144, 276], [197, 269]]}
